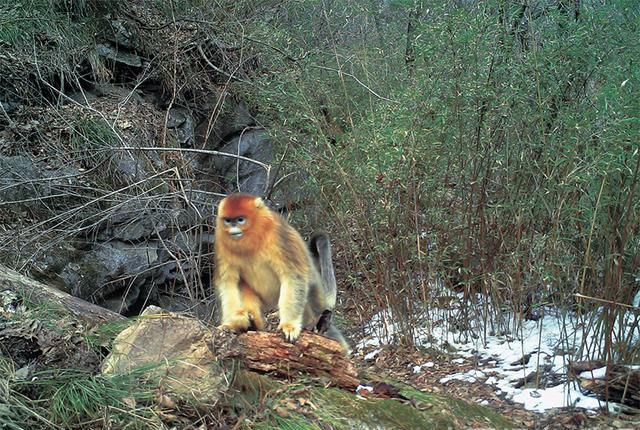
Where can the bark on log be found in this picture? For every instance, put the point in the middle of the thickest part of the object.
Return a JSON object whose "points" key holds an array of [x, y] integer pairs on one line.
{"points": [[39, 293], [312, 355]]}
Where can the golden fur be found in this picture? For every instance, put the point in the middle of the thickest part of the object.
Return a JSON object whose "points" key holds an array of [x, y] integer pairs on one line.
{"points": [[262, 262]]}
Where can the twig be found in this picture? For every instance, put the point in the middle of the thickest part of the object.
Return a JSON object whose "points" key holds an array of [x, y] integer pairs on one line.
{"points": [[610, 302], [218, 69], [265, 166], [357, 80]]}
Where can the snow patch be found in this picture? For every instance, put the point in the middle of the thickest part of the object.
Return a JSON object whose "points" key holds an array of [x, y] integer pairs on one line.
{"points": [[532, 354], [372, 355], [599, 373]]}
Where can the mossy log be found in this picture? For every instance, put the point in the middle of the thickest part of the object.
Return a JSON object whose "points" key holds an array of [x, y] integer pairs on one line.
{"points": [[38, 293], [312, 355]]}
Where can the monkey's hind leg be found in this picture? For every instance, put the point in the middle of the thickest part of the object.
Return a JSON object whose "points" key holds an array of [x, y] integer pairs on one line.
{"points": [[325, 327], [324, 323], [252, 304]]}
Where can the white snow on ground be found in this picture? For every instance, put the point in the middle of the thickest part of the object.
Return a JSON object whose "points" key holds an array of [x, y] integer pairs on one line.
{"points": [[372, 354], [595, 373], [549, 343], [418, 368], [470, 376]]}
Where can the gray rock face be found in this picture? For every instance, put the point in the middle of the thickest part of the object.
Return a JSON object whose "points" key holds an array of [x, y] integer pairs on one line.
{"points": [[21, 179], [181, 122], [134, 257], [25, 185], [246, 176], [7, 107], [231, 119], [119, 227], [112, 53], [102, 274], [130, 256]]}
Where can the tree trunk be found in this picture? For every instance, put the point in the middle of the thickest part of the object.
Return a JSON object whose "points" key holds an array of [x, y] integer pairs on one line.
{"points": [[412, 25], [32, 291]]}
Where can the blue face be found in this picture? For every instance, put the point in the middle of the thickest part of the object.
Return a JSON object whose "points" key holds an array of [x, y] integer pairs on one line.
{"points": [[234, 226], [234, 221]]}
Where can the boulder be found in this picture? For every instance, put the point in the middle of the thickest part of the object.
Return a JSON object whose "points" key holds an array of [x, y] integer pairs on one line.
{"points": [[176, 351]]}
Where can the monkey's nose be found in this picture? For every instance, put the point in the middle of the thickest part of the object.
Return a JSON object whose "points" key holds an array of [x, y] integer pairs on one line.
{"points": [[235, 232]]}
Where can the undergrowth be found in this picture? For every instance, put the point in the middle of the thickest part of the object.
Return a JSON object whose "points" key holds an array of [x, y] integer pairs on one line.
{"points": [[500, 157], [48, 41], [73, 399]]}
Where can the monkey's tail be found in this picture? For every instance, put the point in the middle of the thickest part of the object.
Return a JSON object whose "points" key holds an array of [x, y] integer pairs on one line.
{"points": [[320, 248]]}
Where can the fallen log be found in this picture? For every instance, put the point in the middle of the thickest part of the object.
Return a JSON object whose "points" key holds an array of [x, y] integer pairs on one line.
{"points": [[614, 383], [36, 292], [312, 355]]}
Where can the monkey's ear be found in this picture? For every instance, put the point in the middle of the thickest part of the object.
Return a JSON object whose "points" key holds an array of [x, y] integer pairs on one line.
{"points": [[260, 203]]}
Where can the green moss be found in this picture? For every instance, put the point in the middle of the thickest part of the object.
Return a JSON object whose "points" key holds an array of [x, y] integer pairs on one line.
{"points": [[469, 412], [264, 400], [345, 410]]}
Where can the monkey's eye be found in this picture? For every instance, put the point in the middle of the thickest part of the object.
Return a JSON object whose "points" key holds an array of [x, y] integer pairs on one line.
{"points": [[241, 220], [227, 221]]}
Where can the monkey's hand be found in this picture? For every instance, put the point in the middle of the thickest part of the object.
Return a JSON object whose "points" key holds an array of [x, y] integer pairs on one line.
{"points": [[290, 330], [238, 322]]}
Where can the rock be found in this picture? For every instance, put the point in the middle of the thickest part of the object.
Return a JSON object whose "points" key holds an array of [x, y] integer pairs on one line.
{"points": [[181, 122], [132, 222], [246, 176], [231, 129], [19, 179], [113, 275], [231, 119], [117, 55], [130, 168], [176, 350], [129, 260], [24, 185], [7, 107], [123, 33], [176, 117]]}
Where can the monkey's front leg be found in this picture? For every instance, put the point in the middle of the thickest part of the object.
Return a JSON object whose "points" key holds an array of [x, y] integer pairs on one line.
{"points": [[291, 303], [234, 315]]}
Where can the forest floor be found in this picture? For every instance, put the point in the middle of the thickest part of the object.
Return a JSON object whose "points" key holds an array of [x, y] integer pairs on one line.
{"points": [[398, 364]]}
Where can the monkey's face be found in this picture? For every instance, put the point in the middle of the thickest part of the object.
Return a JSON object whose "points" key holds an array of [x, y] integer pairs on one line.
{"points": [[235, 226], [243, 218]]}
